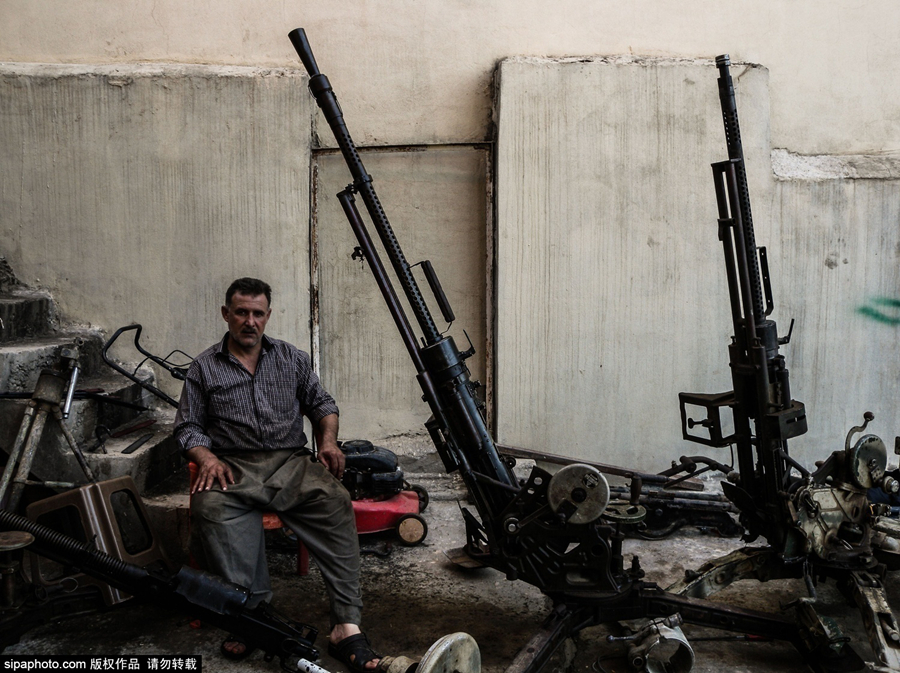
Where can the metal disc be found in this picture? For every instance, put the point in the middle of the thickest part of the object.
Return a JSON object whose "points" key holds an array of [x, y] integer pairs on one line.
{"points": [[868, 460], [625, 513], [454, 653], [669, 652], [581, 491], [15, 539]]}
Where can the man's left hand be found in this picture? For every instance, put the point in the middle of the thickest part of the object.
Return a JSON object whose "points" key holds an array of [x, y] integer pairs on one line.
{"points": [[332, 458]]}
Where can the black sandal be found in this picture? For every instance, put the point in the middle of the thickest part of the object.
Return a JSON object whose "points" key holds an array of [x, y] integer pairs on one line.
{"points": [[234, 656], [354, 652]]}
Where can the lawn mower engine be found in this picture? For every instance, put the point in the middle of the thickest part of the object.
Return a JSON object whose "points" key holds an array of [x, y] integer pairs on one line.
{"points": [[370, 471], [382, 499]]}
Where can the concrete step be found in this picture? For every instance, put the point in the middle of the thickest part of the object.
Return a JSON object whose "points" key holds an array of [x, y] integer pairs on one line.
{"points": [[87, 414], [152, 462], [29, 343], [96, 412], [168, 507], [21, 361], [26, 313]]}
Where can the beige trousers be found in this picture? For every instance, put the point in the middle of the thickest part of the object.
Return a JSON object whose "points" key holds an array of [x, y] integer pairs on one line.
{"points": [[227, 536]]}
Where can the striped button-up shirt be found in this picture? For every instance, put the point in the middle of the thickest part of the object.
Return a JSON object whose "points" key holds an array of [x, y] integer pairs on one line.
{"points": [[225, 408]]}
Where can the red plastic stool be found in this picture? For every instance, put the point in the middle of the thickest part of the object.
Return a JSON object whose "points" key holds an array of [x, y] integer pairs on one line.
{"points": [[271, 521]]}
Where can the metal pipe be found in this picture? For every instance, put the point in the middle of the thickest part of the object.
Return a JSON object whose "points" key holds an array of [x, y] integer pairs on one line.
{"points": [[16, 451], [73, 380]]}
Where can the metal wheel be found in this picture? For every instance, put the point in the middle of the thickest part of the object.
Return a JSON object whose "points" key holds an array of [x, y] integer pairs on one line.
{"points": [[423, 496], [411, 529]]}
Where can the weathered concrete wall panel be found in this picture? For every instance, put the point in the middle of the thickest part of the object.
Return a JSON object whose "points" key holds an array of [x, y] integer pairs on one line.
{"points": [[436, 202], [611, 288], [136, 194], [611, 294], [838, 275]]}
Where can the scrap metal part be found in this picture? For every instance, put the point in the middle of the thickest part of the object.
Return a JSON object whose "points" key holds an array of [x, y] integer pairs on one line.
{"points": [[204, 596]]}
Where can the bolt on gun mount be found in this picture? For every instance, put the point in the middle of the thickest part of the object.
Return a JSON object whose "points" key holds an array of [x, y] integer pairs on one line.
{"points": [[817, 524], [554, 532]]}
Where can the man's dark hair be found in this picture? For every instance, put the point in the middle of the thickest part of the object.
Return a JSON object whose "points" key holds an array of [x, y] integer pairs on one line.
{"points": [[250, 287]]}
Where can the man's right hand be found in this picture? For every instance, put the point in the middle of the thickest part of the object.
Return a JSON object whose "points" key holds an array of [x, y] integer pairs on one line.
{"points": [[209, 470]]}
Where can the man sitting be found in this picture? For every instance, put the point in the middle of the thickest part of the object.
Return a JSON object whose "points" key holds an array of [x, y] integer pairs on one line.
{"points": [[240, 419]]}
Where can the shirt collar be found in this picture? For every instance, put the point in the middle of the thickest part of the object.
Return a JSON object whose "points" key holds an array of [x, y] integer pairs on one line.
{"points": [[223, 345]]}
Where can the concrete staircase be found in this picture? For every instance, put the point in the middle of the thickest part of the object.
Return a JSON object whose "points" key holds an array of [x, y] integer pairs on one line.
{"points": [[31, 339]]}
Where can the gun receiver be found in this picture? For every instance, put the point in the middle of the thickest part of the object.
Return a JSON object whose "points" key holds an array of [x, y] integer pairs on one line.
{"points": [[808, 532]]}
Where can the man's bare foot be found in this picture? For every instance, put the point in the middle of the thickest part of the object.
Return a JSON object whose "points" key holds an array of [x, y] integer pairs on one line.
{"points": [[234, 648]]}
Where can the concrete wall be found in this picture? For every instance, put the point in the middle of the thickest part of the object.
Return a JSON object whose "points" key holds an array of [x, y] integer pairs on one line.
{"points": [[137, 193], [611, 295], [436, 201], [136, 196], [838, 275], [419, 71]]}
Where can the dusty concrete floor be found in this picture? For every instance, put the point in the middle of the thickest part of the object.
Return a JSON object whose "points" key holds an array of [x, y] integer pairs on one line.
{"points": [[415, 595]]}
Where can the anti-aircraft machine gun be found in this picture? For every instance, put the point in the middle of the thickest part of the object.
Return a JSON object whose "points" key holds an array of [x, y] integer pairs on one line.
{"points": [[555, 532], [818, 524]]}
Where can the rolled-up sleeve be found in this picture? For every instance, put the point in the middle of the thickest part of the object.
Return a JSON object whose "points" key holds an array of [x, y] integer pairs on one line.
{"points": [[315, 402], [190, 419]]}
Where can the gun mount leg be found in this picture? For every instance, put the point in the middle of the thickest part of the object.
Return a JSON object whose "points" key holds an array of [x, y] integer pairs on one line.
{"points": [[51, 391], [881, 626], [561, 623], [73, 445], [749, 563], [820, 638], [27, 455], [13, 460]]}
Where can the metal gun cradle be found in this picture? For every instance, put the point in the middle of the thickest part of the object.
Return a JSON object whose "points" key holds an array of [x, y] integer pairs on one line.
{"points": [[556, 532]]}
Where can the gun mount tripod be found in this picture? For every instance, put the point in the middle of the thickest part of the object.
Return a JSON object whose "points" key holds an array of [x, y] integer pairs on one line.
{"points": [[555, 532], [52, 397]]}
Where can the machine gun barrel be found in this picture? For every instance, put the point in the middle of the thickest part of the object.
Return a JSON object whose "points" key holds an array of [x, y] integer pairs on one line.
{"points": [[736, 155], [362, 183], [458, 428]]}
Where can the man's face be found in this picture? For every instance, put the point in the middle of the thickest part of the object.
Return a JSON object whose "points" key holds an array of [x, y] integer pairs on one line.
{"points": [[247, 316]]}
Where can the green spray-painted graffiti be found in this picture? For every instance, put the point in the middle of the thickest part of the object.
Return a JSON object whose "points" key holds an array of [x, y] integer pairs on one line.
{"points": [[882, 309]]}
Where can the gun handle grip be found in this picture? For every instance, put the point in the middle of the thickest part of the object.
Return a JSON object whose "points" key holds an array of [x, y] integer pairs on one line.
{"points": [[438, 291]]}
